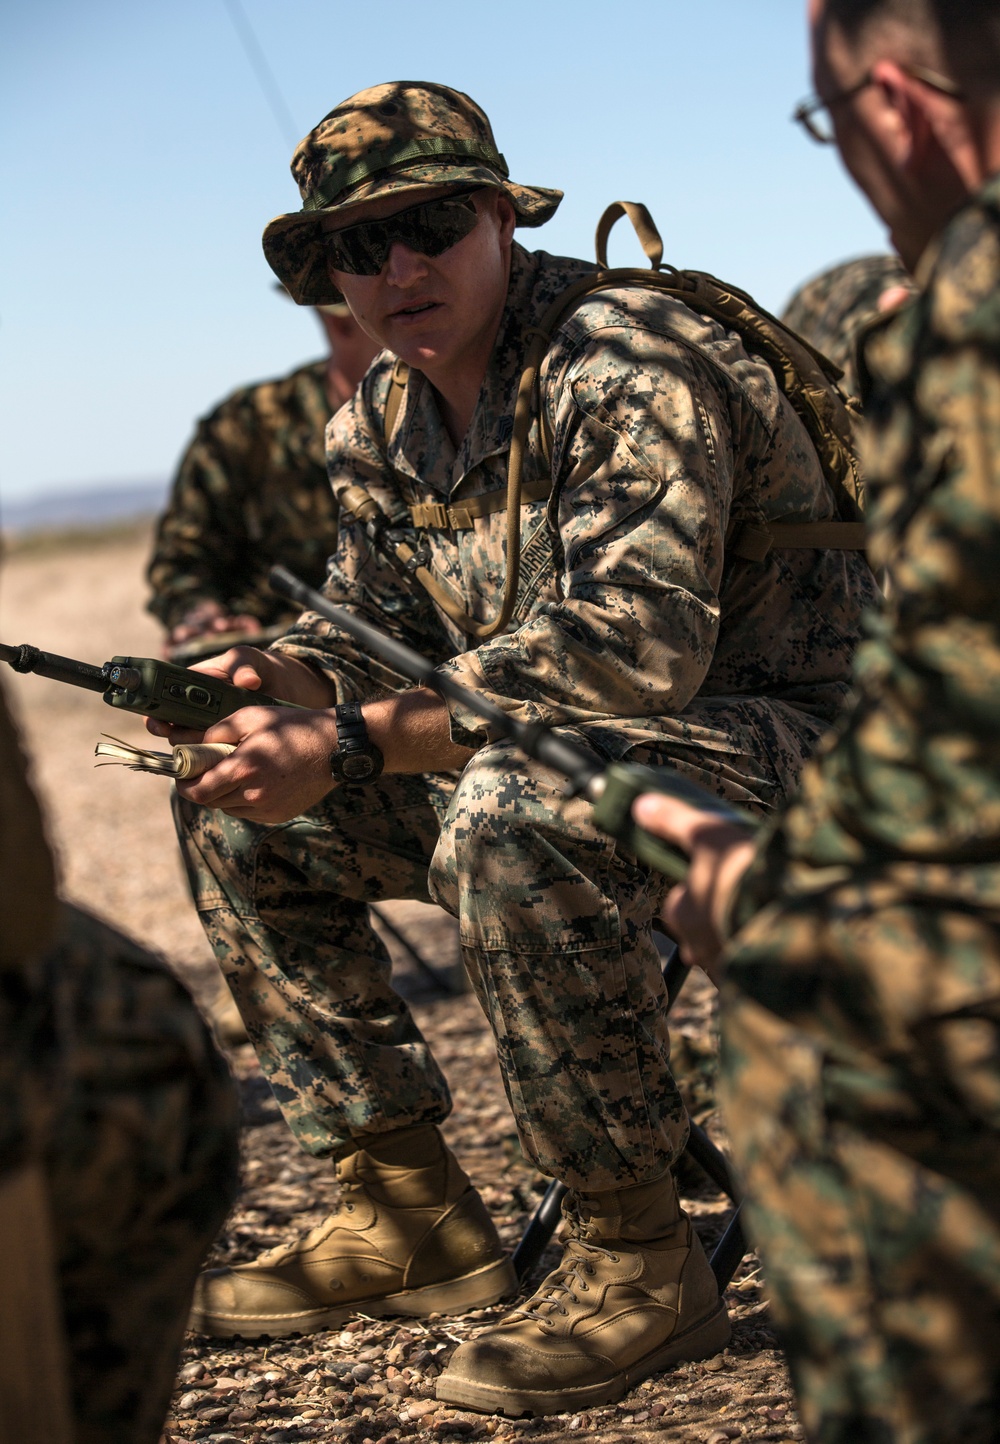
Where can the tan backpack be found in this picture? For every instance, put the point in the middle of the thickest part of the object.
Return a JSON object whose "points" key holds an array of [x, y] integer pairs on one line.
{"points": [[807, 378]]}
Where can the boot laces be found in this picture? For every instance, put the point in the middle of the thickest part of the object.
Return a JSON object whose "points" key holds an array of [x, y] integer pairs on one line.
{"points": [[283, 1252], [579, 1263]]}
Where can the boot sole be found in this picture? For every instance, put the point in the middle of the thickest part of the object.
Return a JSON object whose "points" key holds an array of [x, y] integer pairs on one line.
{"points": [[699, 1342], [453, 1296]]}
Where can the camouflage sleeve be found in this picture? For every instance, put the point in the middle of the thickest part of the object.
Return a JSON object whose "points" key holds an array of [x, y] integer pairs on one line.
{"points": [[910, 787], [645, 454], [202, 534]]}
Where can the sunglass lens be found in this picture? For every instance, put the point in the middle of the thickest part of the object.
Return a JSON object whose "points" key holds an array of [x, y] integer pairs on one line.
{"points": [[359, 250], [430, 229]]}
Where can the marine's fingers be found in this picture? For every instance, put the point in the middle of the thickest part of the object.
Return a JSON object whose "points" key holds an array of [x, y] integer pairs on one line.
{"points": [[668, 818], [174, 733]]}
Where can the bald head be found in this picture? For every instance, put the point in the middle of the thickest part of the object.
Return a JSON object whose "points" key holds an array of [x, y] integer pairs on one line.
{"points": [[958, 38]]}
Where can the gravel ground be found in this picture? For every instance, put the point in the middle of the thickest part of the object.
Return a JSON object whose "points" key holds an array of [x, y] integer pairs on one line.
{"points": [[374, 1380]]}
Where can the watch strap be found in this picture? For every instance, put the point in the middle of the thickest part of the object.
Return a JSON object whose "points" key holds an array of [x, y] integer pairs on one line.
{"points": [[354, 747]]}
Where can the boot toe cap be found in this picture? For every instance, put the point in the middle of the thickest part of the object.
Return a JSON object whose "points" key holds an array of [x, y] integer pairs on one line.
{"points": [[509, 1362], [228, 1293]]}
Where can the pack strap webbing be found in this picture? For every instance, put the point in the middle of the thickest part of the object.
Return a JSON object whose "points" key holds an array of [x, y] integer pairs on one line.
{"points": [[394, 400], [752, 541], [461, 515]]}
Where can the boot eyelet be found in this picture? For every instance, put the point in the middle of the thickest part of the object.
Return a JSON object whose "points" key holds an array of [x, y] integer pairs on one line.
{"points": [[349, 1207], [615, 1258], [584, 1288]]}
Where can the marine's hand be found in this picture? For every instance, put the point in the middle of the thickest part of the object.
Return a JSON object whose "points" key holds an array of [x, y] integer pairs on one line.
{"points": [[207, 617], [696, 912], [272, 672], [281, 766]]}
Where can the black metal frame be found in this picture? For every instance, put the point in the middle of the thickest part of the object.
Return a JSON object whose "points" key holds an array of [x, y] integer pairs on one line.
{"points": [[728, 1252]]}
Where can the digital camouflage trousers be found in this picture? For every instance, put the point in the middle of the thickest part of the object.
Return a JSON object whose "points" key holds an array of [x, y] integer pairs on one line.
{"points": [[122, 1098], [861, 1087], [555, 929]]}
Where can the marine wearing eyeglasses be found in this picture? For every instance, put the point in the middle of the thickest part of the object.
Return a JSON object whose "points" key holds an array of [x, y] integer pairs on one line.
{"points": [[861, 1005], [632, 627]]}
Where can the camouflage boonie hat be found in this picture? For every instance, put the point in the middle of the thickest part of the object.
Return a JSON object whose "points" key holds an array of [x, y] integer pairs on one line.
{"points": [[391, 138]]}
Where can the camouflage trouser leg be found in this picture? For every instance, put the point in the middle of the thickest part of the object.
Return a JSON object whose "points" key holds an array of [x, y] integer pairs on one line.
{"points": [[286, 911], [556, 934], [861, 1068], [141, 1160]]}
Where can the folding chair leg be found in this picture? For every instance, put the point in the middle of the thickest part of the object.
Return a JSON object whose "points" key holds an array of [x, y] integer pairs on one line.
{"points": [[543, 1224], [729, 1252]]}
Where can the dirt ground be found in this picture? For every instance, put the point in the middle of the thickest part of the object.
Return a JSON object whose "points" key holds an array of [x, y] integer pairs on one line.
{"points": [[372, 1382]]}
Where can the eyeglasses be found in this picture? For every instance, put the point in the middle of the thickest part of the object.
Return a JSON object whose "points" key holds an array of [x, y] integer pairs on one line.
{"points": [[809, 113], [431, 228]]}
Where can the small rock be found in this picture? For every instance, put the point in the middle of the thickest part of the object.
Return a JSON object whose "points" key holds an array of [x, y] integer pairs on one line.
{"points": [[658, 1411], [210, 1415], [191, 1372], [574, 1423], [723, 1435], [451, 1426], [682, 1398], [421, 1408], [714, 1365], [362, 1372], [346, 1340], [642, 1416], [190, 1401]]}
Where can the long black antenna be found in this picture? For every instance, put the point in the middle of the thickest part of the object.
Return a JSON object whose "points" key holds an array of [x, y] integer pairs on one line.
{"points": [[263, 72]]}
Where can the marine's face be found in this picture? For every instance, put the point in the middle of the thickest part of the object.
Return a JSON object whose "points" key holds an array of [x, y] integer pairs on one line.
{"points": [[434, 311], [891, 127], [857, 120]]}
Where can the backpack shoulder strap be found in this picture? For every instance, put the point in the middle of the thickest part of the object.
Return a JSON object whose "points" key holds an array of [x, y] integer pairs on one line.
{"points": [[394, 398], [805, 375]]}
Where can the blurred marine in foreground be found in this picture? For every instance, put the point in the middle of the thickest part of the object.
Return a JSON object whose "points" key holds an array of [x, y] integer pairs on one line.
{"points": [[117, 1156], [861, 1015]]}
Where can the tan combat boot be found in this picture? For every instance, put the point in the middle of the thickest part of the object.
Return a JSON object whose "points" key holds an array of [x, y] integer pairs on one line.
{"points": [[411, 1236], [634, 1294]]}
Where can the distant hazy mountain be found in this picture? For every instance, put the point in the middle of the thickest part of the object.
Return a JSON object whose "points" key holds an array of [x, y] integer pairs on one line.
{"points": [[55, 510]]}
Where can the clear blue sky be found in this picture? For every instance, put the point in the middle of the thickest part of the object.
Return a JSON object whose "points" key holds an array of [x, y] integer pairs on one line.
{"points": [[140, 162]]}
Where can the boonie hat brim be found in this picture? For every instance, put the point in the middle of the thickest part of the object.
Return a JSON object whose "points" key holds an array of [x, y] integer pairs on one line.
{"points": [[293, 243]]}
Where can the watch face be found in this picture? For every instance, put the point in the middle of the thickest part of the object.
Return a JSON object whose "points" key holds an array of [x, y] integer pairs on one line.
{"points": [[357, 768]]}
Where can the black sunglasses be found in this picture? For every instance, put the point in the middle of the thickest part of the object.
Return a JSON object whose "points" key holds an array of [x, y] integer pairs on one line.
{"points": [[430, 228]]}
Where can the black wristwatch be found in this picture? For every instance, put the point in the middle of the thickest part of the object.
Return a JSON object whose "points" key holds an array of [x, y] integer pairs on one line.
{"points": [[356, 759]]}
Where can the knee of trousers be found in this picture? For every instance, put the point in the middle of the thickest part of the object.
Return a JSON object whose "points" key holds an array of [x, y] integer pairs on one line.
{"points": [[520, 864]]}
